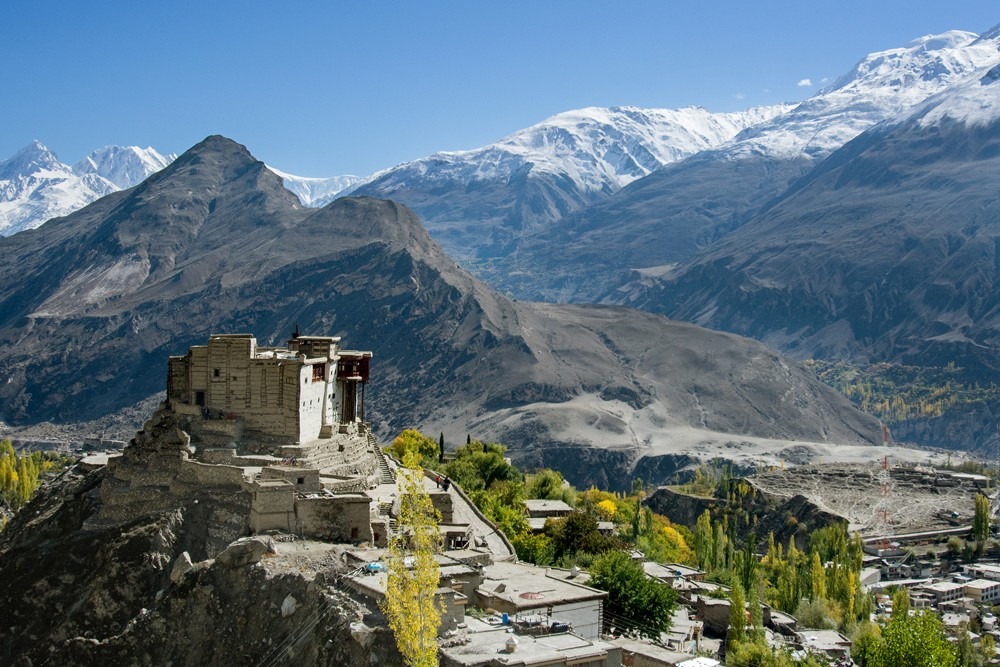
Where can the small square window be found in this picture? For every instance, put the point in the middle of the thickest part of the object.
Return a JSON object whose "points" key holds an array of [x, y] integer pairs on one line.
{"points": [[216, 372], [302, 480]]}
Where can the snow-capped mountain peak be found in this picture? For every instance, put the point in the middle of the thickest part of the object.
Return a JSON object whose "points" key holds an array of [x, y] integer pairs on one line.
{"points": [[35, 186], [883, 85], [33, 157], [123, 165], [600, 149], [316, 192], [974, 102]]}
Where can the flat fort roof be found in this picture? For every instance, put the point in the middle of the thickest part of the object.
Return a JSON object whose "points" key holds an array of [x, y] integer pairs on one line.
{"points": [[543, 650], [943, 586], [550, 505], [530, 587]]}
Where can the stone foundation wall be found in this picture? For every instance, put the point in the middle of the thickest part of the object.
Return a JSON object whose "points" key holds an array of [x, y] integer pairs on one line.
{"points": [[345, 518], [305, 480]]}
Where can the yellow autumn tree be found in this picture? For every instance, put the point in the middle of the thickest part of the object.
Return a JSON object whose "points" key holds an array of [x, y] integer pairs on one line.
{"points": [[606, 509], [410, 604], [18, 475]]}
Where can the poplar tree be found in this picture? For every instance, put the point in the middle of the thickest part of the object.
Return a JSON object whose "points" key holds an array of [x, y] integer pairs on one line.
{"points": [[737, 614], [703, 541], [981, 520], [817, 578], [410, 603]]}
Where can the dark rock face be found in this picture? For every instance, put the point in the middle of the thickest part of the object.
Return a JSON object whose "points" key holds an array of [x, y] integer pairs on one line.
{"points": [[92, 304]]}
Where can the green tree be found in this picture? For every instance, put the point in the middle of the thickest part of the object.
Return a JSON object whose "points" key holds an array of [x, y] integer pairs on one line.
{"points": [[576, 533], [534, 548], [548, 484], [720, 547], [737, 614], [987, 648], [412, 440], [913, 641], [756, 614], [479, 464], [703, 541], [981, 520], [635, 601], [865, 643], [901, 603], [817, 578], [410, 604], [746, 564]]}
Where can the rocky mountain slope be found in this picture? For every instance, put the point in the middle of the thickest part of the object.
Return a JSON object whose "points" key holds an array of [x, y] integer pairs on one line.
{"points": [[479, 203], [35, 186], [886, 251], [687, 206], [93, 303]]}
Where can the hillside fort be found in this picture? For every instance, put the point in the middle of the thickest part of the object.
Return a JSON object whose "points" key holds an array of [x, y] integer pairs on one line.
{"points": [[275, 435]]}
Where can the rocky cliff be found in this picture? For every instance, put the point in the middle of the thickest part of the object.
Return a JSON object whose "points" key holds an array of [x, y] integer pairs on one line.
{"points": [[91, 575]]}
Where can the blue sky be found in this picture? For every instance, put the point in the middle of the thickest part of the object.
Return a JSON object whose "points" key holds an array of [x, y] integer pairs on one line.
{"points": [[327, 88]]}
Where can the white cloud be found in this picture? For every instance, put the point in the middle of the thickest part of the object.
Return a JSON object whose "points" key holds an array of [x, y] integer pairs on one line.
{"points": [[740, 96], [825, 79], [805, 83]]}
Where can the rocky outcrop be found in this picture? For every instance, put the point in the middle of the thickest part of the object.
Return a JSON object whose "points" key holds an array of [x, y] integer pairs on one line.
{"points": [[745, 510], [136, 564]]}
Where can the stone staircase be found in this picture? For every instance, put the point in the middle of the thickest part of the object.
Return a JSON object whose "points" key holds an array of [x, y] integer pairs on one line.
{"points": [[388, 476], [385, 509]]}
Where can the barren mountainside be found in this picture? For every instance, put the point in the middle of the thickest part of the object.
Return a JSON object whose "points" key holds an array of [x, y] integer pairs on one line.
{"points": [[94, 303]]}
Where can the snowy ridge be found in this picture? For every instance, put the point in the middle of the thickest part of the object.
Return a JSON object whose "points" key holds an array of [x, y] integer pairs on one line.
{"points": [[972, 102], [600, 149], [35, 186], [123, 165], [882, 86], [316, 192]]}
